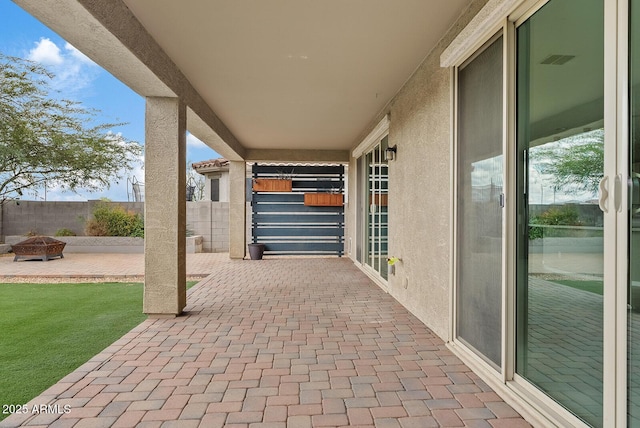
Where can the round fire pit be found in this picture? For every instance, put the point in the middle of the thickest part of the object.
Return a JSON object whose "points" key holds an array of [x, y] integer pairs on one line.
{"points": [[38, 247]]}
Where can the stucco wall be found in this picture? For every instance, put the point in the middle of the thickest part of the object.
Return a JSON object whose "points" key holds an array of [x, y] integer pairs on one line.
{"points": [[419, 196], [420, 188]]}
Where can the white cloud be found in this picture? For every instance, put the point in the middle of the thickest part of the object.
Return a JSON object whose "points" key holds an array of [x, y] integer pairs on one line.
{"points": [[46, 52], [75, 53], [192, 141], [73, 70]]}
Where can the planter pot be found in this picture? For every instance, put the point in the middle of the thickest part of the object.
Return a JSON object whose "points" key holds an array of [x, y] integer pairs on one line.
{"points": [[323, 199], [272, 185], [256, 251]]}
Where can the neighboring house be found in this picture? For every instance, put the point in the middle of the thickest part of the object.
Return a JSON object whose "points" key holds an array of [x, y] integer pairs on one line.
{"points": [[216, 173], [450, 116]]}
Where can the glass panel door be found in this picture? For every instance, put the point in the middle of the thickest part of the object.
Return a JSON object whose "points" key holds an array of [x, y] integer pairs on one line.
{"points": [[560, 138], [479, 203], [633, 283], [377, 185]]}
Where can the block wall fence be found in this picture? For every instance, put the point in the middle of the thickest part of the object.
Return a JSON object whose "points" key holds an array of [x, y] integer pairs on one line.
{"points": [[205, 218]]}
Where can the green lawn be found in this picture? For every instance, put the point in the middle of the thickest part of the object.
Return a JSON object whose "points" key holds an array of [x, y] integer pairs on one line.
{"points": [[590, 286], [48, 330]]}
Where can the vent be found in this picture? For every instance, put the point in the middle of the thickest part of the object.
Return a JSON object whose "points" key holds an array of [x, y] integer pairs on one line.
{"points": [[557, 59]]}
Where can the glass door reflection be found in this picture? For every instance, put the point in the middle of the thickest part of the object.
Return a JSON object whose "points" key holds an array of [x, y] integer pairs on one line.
{"points": [[560, 115]]}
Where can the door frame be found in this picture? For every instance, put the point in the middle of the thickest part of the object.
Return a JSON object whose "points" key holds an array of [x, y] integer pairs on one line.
{"points": [[458, 342], [367, 145]]}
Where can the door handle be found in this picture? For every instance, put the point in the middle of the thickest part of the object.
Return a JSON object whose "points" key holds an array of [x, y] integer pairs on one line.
{"points": [[617, 192], [634, 192], [603, 199]]}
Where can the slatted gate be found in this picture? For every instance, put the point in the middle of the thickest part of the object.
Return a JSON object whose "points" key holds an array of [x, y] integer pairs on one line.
{"points": [[298, 210]]}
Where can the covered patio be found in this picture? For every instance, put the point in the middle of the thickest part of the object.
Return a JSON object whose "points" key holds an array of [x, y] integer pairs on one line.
{"points": [[297, 342], [399, 96]]}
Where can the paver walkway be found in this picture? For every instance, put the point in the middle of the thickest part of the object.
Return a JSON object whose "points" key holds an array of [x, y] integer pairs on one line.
{"points": [[272, 344]]}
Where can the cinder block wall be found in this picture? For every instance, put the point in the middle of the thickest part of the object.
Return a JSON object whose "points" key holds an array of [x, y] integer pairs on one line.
{"points": [[206, 218], [45, 217], [211, 220]]}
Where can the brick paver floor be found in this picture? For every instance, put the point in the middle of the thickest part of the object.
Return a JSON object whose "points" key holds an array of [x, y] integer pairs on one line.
{"points": [[272, 344], [564, 348]]}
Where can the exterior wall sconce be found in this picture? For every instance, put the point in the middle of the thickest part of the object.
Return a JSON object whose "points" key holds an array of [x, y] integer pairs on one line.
{"points": [[390, 153]]}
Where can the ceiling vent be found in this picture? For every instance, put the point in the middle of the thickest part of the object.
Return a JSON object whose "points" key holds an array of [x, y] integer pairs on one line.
{"points": [[557, 59]]}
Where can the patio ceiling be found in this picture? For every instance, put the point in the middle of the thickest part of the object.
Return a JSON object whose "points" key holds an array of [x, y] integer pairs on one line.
{"points": [[264, 74]]}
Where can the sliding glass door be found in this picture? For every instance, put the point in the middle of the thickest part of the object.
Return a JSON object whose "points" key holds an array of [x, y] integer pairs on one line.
{"points": [[560, 147], [479, 205], [575, 200], [633, 222]]}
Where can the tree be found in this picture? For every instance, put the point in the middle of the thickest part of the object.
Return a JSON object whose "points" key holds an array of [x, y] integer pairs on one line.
{"points": [[576, 162], [48, 140], [195, 180]]}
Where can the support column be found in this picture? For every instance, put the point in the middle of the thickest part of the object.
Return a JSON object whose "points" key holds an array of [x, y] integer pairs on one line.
{"points": [[165, 291], [237, 209]]}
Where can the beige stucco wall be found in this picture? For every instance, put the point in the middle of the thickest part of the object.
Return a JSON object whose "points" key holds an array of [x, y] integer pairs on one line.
{"points": [[420, 188]]}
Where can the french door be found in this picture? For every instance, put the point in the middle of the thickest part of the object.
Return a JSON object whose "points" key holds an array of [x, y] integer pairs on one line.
{"points": [[377, 204]]}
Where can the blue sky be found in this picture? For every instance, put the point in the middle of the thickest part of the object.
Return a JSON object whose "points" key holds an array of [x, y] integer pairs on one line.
{"points": [[80, 79]]}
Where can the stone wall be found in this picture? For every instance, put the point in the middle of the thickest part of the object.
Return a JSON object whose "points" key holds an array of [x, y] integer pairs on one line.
{"points": [[205, 218]]}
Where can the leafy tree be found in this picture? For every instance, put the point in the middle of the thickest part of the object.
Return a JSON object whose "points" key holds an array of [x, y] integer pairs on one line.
{"points": [[577, 164], [47, 139]]}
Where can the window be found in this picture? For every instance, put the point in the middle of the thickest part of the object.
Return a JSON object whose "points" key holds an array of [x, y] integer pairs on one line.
{"points": [[215, 189]]}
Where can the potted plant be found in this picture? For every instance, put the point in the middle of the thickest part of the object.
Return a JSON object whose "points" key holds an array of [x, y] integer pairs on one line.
{"points": [[282, 183]]}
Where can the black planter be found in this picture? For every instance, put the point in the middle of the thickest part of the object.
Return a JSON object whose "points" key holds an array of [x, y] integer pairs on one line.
{"points": [[256, 251]]}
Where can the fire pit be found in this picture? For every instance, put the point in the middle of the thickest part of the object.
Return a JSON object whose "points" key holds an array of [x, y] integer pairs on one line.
{"points": [[38, 247]]}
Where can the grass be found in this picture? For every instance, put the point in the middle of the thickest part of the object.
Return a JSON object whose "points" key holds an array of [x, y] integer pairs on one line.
{"points": [[49, 330], [590, 286]]}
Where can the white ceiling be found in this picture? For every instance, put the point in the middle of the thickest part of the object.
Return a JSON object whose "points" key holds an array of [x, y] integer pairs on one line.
{"points": [[297, 74]]}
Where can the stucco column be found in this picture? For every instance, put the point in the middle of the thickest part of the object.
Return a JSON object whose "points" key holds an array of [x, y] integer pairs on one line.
{"points": [[237, 209], [165, 291]]}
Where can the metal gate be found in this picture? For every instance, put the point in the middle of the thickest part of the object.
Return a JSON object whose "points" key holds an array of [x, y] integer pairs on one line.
{"points": [[298, 210]]}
